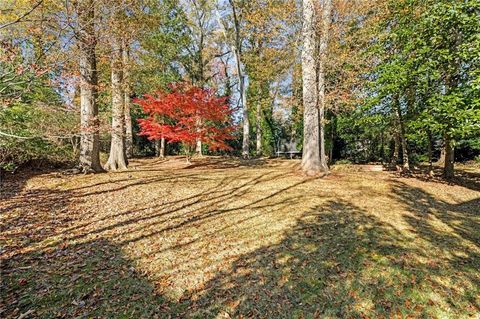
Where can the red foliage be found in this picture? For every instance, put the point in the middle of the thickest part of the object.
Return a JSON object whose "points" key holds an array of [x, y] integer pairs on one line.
{"points": [[187, 114]]}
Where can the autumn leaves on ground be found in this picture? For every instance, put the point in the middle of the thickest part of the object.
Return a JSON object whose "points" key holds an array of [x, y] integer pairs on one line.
{"points": [[220, 238]]}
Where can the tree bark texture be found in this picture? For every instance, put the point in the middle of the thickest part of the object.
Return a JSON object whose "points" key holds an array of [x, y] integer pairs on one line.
{"points": [[89, 160], [127, 102], [117, 159]]}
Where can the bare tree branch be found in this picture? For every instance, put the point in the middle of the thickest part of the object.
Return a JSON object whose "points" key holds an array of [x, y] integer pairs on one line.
{"points": [[36, 5]]}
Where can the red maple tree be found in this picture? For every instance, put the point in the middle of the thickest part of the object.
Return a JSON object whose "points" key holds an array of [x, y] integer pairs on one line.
{"points": [[187, 114]]}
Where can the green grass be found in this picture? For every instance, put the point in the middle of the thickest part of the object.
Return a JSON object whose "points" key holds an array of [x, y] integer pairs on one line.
{"points": [[228, 239]]}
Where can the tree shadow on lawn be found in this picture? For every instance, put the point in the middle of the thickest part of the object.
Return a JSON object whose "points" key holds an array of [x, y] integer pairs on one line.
{"points": [[42, 213], [176, 211], [34, 216], [88, 280], [62, 278], [470, 180], [339, 261], [226, 163], [12, 184]]}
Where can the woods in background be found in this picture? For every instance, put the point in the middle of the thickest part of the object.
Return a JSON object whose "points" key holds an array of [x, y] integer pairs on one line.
{"points": [[392, 81]]}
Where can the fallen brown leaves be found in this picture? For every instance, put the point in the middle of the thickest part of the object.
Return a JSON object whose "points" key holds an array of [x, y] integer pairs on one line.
{"points": [[221, 236]]}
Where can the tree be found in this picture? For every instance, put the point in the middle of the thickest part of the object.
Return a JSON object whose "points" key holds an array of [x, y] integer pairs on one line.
{"points": [[127, 100], [313, 85], [180, 112], [199, 14], [166, 54], [326, 16], [235, 42], [448, 46], [89, 140], [117, 159], [269, 53], [427, 72]]}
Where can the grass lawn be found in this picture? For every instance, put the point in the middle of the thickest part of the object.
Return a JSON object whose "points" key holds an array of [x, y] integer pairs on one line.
{"points": [[227, 239]]}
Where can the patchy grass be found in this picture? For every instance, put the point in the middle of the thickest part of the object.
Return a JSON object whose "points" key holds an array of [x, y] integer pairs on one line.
{"points": [[222, 238]]}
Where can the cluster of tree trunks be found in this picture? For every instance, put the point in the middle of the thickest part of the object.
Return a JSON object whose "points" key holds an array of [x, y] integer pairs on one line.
{"points": [[122, 137]]}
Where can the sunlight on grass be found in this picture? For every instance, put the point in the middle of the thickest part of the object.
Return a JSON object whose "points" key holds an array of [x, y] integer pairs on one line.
{"points": [[262, 241]]}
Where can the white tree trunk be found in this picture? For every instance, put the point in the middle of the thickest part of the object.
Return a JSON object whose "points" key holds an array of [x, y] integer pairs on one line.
{"points": [[246, 121], [396, 148], [89, 160], [237, 52], [198, 148], [162, 148], [326, 7], [127, 102], [311, 163], [117, 159]]}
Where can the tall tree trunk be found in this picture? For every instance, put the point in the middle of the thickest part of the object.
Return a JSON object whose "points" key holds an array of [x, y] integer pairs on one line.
{"points": [[311, 163], [259, 129], [201, 83], [241, 79], [403, 140], [156, 146], [326, 7], [430, 152], [448, 169], [396, 149], [89, 140], [332, 138], [127, 102], [246, 121], [198, 144], [236, 48], [160, 144], [117, 159], [405, 152], [198, 148], [382, 147]]}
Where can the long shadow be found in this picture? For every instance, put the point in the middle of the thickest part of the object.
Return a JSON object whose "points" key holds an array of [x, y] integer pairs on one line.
{"points": [[338, 262], [206, 212], [49, 194], [226, 163], [462, 178], [462, 218], [12, 184], [222, 192], [170, 204], [446, 227], [90, 280], [34, 216], [142, 182]]}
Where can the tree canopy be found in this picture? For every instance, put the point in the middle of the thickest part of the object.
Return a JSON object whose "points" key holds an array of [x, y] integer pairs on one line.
{"points": [[396, 81]]}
